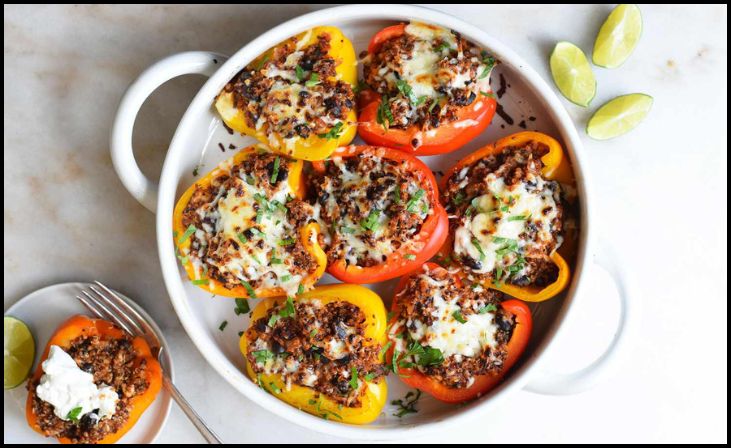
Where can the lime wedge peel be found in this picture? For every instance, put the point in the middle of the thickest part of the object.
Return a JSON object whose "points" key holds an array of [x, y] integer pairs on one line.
{"points": [[618, 36], [619, 116], [20, 349], [572, 73]]}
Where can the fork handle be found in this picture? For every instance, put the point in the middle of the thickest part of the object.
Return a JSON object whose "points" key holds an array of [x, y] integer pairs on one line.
{"points": [[193, 416]]}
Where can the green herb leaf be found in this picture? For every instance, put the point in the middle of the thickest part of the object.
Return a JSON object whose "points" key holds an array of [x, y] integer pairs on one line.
{"points": [[262, 356], [490, 307], [348, 230], [476, 243], [313, 81], [487, 94], [442, 46], [286, 278], [414, 199], [188, 232], [458, 317], [275, 171], [353, 378], [489, 62], [286, 242], [518, 218], [385, 349], [334, 132], [74, 414], [406, 90], [249, 289], [275, 388], [383, 113], [300, 73], [223, 325], [410, 256], [273, 320], [242, 237], [288, 310], [407, 405], [458, 198], [201, 281], [300, 289], [371, 222]]}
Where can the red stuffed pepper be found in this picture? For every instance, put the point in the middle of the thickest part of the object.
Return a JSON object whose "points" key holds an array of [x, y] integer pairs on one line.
{"points": [[453, 341], [379, 212], [427, 90]]}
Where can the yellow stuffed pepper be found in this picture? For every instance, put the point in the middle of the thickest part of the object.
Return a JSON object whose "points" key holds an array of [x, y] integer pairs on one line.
{"points": [[508, 221], [243, 229], [321, 352], [298, 96]]}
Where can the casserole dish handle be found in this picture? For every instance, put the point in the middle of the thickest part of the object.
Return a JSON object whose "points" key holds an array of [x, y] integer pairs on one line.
{"points": [[187, 63], [553, 383]]}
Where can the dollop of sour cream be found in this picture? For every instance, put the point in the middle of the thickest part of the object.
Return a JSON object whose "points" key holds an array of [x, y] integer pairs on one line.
{"points": [[66, 387]]}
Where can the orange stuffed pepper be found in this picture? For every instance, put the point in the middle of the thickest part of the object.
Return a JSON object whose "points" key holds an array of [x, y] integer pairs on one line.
{"points": [[93, 383]]}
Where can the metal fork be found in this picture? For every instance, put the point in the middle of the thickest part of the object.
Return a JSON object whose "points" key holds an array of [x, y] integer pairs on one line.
{"points": [[106, 304]]}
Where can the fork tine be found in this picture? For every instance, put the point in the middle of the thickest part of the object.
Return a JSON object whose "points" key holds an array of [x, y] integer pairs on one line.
{"points": [[118, 312], [131, 313], [107, 314], [89, 307]]}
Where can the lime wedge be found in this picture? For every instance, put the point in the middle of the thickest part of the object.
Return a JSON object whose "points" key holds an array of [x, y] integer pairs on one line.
{"points": [[619, 116], [572, 73], [20, 349], [618, 36]]}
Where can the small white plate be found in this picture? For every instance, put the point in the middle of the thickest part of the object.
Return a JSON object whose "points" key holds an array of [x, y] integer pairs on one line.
{"points": [[43, 311]]}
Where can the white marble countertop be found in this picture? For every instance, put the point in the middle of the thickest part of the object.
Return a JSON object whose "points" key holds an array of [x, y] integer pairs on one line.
{"points": [[661, 199]]}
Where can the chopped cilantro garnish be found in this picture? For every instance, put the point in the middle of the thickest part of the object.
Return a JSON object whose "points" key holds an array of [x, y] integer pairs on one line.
{"points": [[300, 73], [407, 405], [476, 243], [442, 46], [353, 378], [74, 414], [249, 289], [487, 94], [490, 307], [286, 242], [371, 222], [300, 289], [369, 377], [223, 325], [410, 256], [286, 278], [275, 388], [275, 171], [414, 199], [201, 281], [334, 132], [383, 114], [242, 237], [242, 306], [262, 356], [188, 232], [313, 81], [459, 317], [288, 310]]}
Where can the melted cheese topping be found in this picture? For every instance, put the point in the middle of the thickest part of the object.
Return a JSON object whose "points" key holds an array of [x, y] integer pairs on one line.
{"points": [[449, 335], [422, 71], [261, 256], [351, 232], [501, 219]]}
